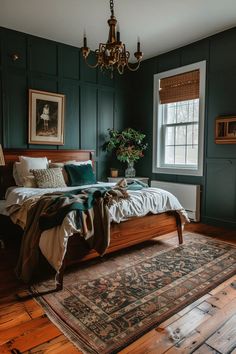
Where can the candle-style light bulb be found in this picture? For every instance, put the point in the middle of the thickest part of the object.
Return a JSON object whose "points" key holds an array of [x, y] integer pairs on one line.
{"points": [[85, 39], [118, 33], [138, 44]]}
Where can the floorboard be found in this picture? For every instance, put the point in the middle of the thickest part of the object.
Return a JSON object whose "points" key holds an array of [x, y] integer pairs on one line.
{"points": [[207, 326]]}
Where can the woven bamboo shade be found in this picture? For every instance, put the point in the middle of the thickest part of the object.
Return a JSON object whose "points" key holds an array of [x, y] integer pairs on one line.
{"points": [[180, 87]]}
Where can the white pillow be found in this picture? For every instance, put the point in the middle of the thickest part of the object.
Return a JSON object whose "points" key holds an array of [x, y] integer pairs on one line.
{"points": [[17, 174], [29, 182], [30, 163], [79, 163]]}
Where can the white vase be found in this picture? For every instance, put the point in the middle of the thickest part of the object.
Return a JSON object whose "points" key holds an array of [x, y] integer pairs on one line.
{"points": [[130, 170]]}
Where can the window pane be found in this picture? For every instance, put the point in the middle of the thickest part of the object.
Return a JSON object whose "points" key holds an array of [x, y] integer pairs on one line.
{"points": [[170, 113], [169, 155], [179, 129], [192, 134], [192, 152], [182, 112], [170, 135], [180, 135], [191, 111], [180, 155], [196, 110], [195, 134]]}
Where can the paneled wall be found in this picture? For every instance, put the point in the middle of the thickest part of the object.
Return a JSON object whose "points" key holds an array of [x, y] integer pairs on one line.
{"points": [[94, 101], [218, 204]]}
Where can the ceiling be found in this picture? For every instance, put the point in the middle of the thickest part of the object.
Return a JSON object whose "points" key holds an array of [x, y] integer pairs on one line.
{"points": [[162, 25]]}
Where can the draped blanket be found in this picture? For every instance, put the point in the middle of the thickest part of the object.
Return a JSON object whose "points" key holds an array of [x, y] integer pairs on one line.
{"points": [[49, 210]]}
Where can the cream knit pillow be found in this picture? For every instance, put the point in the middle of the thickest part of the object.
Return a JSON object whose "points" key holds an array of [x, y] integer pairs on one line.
{"points": [[49, 178]]}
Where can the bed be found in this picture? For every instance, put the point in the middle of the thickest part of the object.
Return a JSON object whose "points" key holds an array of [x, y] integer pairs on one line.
{"points": [[124, 234]]}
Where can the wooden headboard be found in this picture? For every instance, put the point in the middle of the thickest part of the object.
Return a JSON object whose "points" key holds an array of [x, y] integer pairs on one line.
{"points": [[11, 156]]}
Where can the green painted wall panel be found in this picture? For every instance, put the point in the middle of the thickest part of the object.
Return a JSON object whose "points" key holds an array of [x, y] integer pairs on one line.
{"points": [[105, 121], [223, 52], [72, 117], [221, 190], [55, 67], [14, 43], [16, 115], [169, 61], [68, 60], [87, 74], [221, 102], [43, 83], [195, 52], [219, 180], [121, 120], [43, 56], [89, 117]]}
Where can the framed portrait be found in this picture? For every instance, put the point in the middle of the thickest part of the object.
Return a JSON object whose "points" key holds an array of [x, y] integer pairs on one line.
{"points": [[46, 118]]}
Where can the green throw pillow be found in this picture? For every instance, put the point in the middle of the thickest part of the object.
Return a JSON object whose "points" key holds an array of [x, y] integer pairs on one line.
{"points": [[80, 175]]}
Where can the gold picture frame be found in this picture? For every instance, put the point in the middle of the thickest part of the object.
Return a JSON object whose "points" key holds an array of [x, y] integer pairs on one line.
{"points": [[225, 130], [46, 118]]}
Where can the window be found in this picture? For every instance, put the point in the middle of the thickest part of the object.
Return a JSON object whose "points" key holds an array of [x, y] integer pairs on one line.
{"points": [[179, 120]]}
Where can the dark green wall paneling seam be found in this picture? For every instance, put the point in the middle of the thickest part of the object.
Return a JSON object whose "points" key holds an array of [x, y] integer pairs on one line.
{"points": [[203, 196]]}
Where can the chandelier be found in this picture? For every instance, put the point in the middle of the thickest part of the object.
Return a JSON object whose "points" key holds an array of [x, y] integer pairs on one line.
{"points": [[113, 54]]}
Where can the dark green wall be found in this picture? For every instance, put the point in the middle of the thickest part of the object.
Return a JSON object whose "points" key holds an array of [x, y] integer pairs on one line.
{"points": [[94, 102], [218, 205]]}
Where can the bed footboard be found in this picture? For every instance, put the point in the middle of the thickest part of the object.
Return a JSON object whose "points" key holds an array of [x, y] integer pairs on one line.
{"points": [[123, 235]]}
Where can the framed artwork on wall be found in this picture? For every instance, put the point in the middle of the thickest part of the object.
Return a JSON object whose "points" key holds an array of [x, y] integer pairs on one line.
{"points": [[46, 118], [225, 130]]}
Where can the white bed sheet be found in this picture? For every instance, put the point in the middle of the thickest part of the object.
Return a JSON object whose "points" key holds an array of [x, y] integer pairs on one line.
{"points": [[53, 242]]}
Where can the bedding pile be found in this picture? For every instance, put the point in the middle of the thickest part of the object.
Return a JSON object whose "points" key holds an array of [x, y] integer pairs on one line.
{"points": [[49, 216]]}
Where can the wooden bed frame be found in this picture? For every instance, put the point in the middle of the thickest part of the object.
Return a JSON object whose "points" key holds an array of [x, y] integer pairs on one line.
{"points": [[123, 235]]}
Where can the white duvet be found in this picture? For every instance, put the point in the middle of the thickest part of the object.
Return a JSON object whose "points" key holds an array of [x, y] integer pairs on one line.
{"points": [[53, 242]]}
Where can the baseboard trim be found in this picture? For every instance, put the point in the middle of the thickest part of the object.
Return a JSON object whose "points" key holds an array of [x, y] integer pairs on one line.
{"points": [[218, 222]]}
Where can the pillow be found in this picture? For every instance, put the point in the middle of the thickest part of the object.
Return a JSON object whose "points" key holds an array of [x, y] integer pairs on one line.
{"points": [[29, 182], [80, 174], [17, 174], [80, 163], [30, 163], [49, 178], [61, 165], [72, 162]]}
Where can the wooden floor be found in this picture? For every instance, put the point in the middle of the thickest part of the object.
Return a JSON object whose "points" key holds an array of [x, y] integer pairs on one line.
{"points": [[206, 326]]}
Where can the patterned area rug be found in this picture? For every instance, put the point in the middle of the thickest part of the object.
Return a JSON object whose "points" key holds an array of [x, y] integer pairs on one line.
{"points": [[107, 304]]}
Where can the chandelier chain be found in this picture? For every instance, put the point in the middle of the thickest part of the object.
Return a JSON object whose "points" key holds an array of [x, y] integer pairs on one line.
{"points": [[112, 7]]}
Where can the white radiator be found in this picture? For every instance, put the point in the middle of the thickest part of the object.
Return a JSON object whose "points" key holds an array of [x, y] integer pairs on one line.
{"points": [[187, 194]]}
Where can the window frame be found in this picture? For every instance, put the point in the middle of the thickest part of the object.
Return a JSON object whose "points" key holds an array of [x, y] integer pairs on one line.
{"points": [[157, 123]]}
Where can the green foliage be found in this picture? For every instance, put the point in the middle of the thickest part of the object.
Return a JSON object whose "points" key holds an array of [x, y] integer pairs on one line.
{"points": [[128, 144]]}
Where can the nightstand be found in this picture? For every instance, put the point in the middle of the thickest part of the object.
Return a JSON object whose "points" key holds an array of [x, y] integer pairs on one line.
{"points": [[116, 179]]}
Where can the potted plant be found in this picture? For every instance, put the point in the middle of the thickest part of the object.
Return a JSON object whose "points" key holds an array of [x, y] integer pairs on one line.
{"points": [[128, 146]]}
